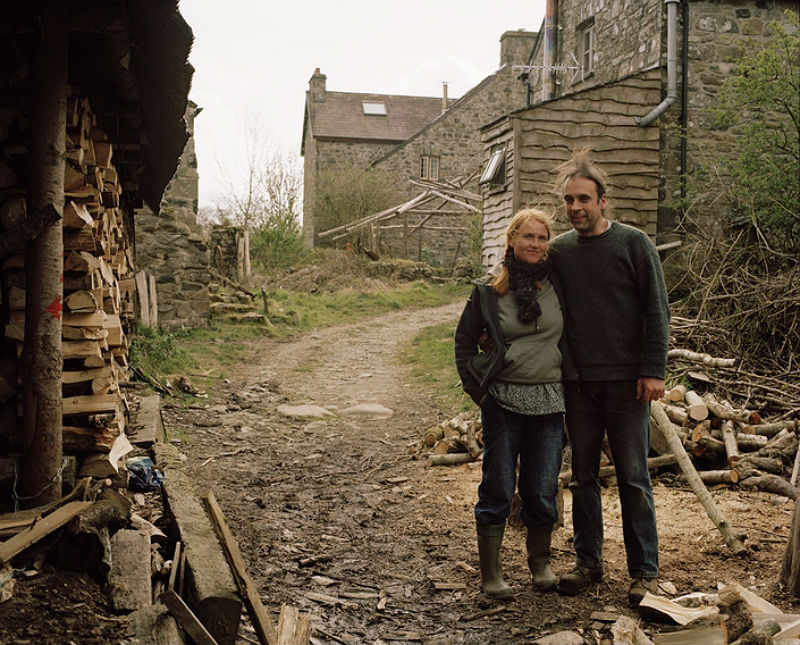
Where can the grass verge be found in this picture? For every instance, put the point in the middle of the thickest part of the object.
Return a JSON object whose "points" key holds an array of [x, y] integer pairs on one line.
{"points": [[432, 362]]}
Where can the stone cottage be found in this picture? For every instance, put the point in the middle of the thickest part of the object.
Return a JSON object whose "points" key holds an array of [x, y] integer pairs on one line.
{"points": [[412, 138], [622, 78]]}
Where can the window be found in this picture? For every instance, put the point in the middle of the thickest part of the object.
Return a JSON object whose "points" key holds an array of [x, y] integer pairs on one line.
{"points": [[429, 168], [374, 108], [586, 48], [495, 171]]}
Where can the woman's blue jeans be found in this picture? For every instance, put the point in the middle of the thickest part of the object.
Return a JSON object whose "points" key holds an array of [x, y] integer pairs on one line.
{"points": [[611, 407], [537, 441]]}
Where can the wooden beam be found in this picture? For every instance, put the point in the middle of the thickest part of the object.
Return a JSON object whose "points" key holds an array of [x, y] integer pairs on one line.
{"points": [[44, 527], [267, 634]]}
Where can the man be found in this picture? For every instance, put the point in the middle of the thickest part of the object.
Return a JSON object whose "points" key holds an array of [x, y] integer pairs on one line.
{"points": [[617, 321]]}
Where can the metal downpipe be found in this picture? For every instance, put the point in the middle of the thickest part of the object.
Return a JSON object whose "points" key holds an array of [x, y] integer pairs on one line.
{"points": [[672, 87]]}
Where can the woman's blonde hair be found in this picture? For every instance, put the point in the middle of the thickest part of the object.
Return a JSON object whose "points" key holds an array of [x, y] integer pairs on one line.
{"points": [[522, 217]]}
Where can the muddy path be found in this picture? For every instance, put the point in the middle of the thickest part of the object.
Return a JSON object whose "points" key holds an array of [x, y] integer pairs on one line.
{"points": [[334, 515]]}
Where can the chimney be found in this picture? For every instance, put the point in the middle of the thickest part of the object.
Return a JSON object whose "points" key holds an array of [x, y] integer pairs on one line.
{"points": [[444, 96], [316, 86], [516, 46]]}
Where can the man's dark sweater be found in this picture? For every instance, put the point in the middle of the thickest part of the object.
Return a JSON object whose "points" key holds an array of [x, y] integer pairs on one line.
{"points": [[617, 312]]}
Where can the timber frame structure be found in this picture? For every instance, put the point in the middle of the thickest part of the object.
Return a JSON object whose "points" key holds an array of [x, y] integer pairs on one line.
{"points": [[78, 81], [436, 201]]}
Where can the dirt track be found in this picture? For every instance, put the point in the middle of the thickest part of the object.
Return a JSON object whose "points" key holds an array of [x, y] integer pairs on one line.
{"points": [[386, 531]]}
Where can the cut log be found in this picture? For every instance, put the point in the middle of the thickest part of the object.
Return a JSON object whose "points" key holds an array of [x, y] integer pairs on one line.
{"points": [[81, 302], [715, 514], [723, 410], [664, 607], [676, 394], [729, 439], [102, 465], [677, 414], [78, 440], [697, 357], [715, 477], [696, 406], [770, 484], [90, 404], [76, 216], [146, 426]]}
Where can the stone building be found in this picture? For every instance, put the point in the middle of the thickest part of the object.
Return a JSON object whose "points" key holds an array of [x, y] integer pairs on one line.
{"points": [[354, 129], [170, 246], [411, 138], [620, 77]]}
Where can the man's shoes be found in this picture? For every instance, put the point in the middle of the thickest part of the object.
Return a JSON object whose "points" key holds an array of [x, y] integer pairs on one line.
{"points": [[579, 580], [639, 587]]}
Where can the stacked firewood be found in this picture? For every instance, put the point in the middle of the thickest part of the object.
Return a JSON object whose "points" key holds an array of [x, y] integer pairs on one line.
{"points": [[730, 445], [97, 308], [453, 441]]}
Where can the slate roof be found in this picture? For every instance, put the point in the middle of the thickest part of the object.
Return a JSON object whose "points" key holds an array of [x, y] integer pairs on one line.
{"points": [[341, 117]]}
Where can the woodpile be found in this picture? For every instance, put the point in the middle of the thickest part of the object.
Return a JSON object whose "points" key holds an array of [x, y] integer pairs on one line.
{"points": [[454, 441], [97, 309]]}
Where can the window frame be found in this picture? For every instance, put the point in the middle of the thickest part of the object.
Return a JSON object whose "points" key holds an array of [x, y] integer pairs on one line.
{"points": [[429, 166], [377, 108], [494, 174], [586, 54]]}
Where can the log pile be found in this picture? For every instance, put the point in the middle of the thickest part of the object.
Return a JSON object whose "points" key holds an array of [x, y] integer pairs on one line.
{"points": [[97, 308], [453, 441]]}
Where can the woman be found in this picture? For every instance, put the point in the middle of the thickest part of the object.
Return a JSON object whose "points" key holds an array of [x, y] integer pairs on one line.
{"points": [[517, 384]]}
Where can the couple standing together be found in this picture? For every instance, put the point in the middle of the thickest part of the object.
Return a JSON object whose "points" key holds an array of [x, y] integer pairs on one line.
{"points": [[578, 329]]}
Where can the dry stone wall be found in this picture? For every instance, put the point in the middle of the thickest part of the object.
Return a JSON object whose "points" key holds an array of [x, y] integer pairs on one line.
{"points": [[171, 247]]}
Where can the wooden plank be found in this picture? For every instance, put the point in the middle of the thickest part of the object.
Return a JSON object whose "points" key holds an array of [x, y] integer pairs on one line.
{"points": [[265, 629], [47, 525], [187, 619]]}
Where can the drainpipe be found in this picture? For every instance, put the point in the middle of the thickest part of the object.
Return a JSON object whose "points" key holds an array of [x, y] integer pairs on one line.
{"points": [[550, 27], [672, 90], [684, 98], [444, 97]]}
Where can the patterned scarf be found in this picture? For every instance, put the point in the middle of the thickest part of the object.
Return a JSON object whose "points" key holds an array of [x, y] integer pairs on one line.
{"points": [[525, 280]]}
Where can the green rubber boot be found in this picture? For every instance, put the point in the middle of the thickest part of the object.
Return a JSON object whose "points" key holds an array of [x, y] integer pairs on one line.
{"points": [[490, 538], [538, 545]]}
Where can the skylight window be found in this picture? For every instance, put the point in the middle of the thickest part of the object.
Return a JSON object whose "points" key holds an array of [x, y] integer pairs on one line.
{"points": [[495, 171], [374, 108]]}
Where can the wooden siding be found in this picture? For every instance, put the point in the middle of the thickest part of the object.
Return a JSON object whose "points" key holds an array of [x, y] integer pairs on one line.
{"points": [[498, 201], [601, 119]]}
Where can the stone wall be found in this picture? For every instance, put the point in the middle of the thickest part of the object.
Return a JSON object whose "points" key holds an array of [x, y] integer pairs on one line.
{"points": [[171, 247]]}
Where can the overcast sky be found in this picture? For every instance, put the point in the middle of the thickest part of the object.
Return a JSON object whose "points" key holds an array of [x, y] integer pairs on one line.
{"points": [[256, 56]]}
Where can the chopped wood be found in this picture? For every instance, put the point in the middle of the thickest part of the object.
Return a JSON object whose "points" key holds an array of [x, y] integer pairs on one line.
{"points": [[90, 403], [729, 438], [76, 216], [47, 525], [293, 627], [677, 414], [707, 635], [664, 425], [264, 626], [187, 619], [101, 465], [715, 477], [676, 394], [733, 592], [173, 572], [81, 302], [663, 606], [696, 406]]}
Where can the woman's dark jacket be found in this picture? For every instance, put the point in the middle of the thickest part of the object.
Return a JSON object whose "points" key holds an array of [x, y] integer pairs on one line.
{"points": [[477, 368]]}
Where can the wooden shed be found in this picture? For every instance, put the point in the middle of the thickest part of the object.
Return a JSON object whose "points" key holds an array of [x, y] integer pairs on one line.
{"points": [[531, 142], [92, 99]]}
